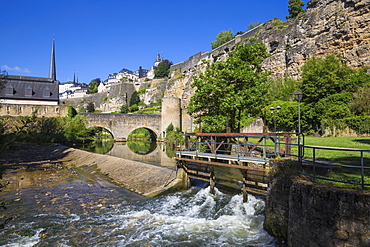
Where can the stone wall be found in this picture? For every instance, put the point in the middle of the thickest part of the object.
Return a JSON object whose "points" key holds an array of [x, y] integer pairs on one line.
{"points": [[28, 110], [303, 213]]}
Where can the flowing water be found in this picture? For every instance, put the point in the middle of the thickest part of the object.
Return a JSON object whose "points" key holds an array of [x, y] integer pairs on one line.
{"points": [[191, 218], [78, 207]]}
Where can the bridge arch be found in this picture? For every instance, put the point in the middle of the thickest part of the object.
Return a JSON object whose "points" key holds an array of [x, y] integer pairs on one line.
{"points": [[121, 125], [155, 134], [104, 127]]}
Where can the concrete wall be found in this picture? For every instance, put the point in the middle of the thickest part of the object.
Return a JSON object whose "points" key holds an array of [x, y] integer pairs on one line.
{"points": [[27, 110], [303, 213]]}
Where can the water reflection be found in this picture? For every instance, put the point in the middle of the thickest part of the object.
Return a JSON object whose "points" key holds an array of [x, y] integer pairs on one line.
{"points": [[141, 147], [142, 151]]}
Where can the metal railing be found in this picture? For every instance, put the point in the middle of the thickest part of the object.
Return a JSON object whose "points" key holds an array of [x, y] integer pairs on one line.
{"points": [[241, 145], [323, 168]]}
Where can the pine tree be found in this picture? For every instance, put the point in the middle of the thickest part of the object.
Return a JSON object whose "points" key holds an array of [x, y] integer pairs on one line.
{"points": [[294, 8]]}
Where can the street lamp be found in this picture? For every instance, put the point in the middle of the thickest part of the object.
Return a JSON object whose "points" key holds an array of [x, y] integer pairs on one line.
{"points": [[298, 96], [272, 109]]}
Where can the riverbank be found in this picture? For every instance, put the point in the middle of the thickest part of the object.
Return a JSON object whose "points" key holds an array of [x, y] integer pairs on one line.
{"points": [[141, 178]]}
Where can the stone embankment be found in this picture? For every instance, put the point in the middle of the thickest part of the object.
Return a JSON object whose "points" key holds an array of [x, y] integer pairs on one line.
{"points": [[144, 179], [302, 213]]}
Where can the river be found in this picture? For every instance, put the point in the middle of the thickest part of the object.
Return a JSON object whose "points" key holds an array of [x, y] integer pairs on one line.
{"points": [[89, 211]]}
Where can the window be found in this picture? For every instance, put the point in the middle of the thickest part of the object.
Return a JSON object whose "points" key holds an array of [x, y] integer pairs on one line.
{"points": [[46, 92], [28, 91], [9, 90]]}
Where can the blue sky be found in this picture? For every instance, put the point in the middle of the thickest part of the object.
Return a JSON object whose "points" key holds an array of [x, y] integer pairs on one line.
{"points": [[96, 38]]}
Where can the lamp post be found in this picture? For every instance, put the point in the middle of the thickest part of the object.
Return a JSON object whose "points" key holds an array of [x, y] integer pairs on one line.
{"points": [[272, 109], [298, 96], [276, 140]]}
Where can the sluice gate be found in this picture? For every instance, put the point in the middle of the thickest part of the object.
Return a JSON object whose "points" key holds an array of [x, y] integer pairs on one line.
{"points": [[235, 160]]}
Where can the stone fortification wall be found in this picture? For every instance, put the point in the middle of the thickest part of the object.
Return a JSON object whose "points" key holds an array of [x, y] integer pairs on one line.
{"points": [[28, 110], [326, 27], [306, 214], [193, 61], [118, 95]]}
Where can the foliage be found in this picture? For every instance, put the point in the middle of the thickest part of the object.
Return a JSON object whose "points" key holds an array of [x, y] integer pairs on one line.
{"points": [[75, 129], [322, 77], [294, 8], [141, 133], [286, 118], [81, 109], [133, 108], [170, 127], [124, 109], [90, 107], [71, 111], [253, 25], [105, 99], [222, 38], [360, 124], [163, 69], [93, 86], [172, 135], [361, 102], [327, 85], [141, 91], [135, 99], [282, 88], [158, 103], [226, 90]]}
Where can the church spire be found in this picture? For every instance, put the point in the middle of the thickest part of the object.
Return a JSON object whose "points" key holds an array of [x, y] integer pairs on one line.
{"points": [[52, 71]]}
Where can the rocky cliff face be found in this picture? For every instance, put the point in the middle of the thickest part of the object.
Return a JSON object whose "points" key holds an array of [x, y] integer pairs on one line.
{"points": [[327, 26]]}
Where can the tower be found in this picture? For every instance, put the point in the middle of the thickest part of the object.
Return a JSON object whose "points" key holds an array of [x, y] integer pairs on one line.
{"points": [[52, 70]]}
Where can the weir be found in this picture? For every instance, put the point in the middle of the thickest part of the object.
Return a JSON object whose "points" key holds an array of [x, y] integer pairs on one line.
{"points": [[199, 154]]}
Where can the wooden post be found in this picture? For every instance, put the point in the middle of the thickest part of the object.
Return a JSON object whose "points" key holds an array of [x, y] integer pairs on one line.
{"points": [[212, 179], [245, 192]]}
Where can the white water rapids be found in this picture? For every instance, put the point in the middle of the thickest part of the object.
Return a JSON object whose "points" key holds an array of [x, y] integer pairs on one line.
{"points": [[191, 218]]}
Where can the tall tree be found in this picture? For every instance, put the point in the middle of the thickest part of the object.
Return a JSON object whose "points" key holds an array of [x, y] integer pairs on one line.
{"points": [[294, 8], [222, 38], [229, 89], [163, 69], [135, 99], [93, 86]]}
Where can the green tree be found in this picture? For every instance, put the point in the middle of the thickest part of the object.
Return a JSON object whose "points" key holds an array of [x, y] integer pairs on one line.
{"points": [[322, 77], [286, 118], [163, 69], [361, 102], [282, 88], [222, 38], [90, 107], [325, 85], [71, 112], [229, 89], [94, 84], [124, 109], [135, 99], [294, 8]]}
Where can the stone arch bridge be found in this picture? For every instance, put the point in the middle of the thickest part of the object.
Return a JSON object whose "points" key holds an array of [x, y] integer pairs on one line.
{"points": [[121, 125]]}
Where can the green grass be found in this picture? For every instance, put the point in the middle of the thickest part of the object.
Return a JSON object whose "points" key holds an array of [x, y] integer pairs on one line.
{"points": [[337, 157], [340, 157]]}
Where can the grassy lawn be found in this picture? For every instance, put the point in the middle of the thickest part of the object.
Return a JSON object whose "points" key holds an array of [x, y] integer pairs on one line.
{"points": [[341, 157]]}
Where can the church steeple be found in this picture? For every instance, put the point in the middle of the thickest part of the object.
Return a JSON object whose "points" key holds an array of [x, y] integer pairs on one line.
{"points": [[52, 71]]}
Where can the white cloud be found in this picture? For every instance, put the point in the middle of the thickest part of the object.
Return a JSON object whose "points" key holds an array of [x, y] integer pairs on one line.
{"points": [[16, 69]]}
